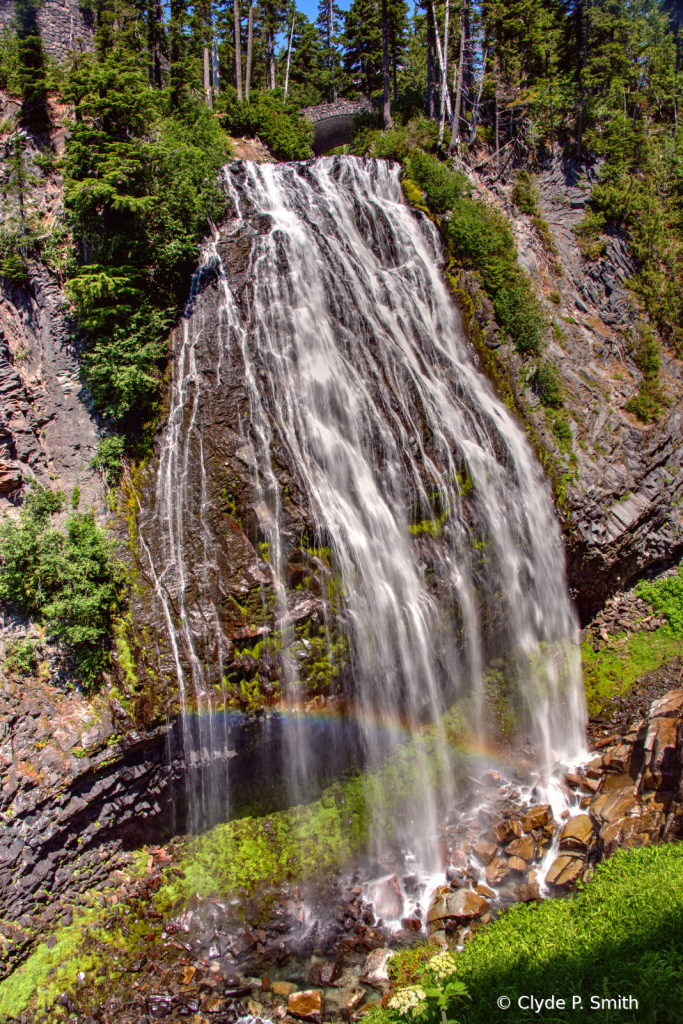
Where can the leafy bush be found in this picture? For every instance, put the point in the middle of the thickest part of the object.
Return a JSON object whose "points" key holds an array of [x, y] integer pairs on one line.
{"points": [[525, 194], [108, 458], [398, 142], [545, 380], [14, 269], [649, 401], [21, 657], [288, 135], [442, 187], [519, 312], [589, 234], [562, 431], [666, 597], [482, 239], [621, 935], [68, 579]]}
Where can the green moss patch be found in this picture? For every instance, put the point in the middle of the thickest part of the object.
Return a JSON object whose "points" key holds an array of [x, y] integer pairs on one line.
{"points": [[613, 670], [313, 840]]}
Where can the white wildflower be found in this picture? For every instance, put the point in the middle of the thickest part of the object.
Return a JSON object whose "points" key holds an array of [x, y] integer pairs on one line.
{"points": [[409, 1000], [442, 966]]}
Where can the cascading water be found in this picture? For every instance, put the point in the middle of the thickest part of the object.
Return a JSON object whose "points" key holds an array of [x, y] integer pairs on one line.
{"points": [[355, 372]]}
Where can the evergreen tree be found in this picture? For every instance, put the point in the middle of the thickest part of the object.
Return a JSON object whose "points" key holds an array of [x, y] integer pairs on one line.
{"points": [[31, 65]]}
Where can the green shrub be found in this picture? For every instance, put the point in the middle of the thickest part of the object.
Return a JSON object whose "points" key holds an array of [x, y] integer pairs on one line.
{"points": [[442, 187], [66, 578], [14, 268], [649, 401], [481, 238], [621, 935], [546, 382], [589, 234], [21, 657], [109, 457], [288, 135], [666, 597], [525, 194], [562, 431], [519, 312]]}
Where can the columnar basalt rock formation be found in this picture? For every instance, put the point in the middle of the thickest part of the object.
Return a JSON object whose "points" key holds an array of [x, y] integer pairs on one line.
{"points": [[64, 25]]}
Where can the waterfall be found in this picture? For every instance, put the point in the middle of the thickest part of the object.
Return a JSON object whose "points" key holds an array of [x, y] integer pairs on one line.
{"points": [[444, 564]]}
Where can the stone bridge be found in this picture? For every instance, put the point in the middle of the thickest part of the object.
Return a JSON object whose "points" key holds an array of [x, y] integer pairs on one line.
{"points": [[332, 122]]}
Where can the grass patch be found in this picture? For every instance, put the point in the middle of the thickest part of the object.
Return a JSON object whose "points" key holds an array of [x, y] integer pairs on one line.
{"points": [[613, 670], [622, 935]]}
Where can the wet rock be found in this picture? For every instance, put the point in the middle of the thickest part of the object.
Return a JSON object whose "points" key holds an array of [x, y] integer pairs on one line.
{"points": [[503, 832], [524, 848], [376, 969], [349, 999], [463, 905], [282, 988], [517, 864], [497, 871], [669, 706], [485, 851], [527, 892], [536, 817], [577, 835], [484, 891], [329, 972], [411, 924], [306, 1005], [564, 873], [522, 772], [660, 754], [387, 897]]}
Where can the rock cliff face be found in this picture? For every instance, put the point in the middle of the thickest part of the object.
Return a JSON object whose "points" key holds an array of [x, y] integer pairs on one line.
{"points": [[619, 482], [64, 25]]}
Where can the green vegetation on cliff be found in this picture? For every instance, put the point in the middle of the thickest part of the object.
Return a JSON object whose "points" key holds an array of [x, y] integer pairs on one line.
{"points": [[66, 578], [621, 936]]}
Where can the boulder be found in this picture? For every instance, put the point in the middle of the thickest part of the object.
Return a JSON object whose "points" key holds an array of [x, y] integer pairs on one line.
{"points": [[536, 817], [517, 864], [376, 969], [565, 872], [528, 892], [485, 851], [524, 848], [619, 758], [503, 832], [660, 754], [484, 890], [330, 971], [577, 835], [497, 871], [282, 988], [306, 1005], [669, 706], [387, 897], [620, 804], [463, 905]]}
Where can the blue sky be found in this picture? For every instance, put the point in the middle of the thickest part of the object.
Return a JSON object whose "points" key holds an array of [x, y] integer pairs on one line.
{"points": [[310, 7]]}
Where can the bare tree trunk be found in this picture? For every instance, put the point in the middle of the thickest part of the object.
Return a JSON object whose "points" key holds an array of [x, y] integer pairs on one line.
{"points": [[330, 38], [430, 64], [437, 39], [271, 59], [158, 19], [238, 48], [444, 75], [250, 34], [385, 68], [207, 76], [475, 111], [289, 56], [455, 134], [215, 68]]}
